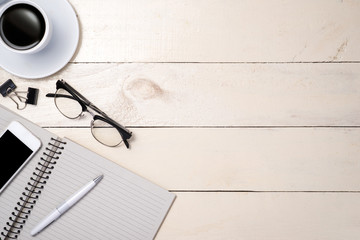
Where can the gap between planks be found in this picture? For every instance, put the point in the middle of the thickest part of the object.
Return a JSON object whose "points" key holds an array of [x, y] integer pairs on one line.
{"points": [[254, 191], [300, 62]]}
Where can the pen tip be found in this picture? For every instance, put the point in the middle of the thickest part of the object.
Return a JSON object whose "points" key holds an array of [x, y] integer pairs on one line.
{"points": [[98, 179]]}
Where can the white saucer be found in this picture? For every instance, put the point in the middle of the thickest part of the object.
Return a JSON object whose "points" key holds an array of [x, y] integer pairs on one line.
{"points": [[56, 54]]}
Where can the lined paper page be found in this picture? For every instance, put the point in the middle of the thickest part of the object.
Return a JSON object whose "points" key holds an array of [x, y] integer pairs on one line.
{"points": [[122, 206]]}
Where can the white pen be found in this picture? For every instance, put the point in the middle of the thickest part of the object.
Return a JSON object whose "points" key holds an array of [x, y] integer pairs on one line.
{"points": [[71, 201]]}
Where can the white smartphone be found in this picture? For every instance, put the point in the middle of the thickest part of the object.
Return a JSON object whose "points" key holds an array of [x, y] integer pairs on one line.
{"points": [[17, 146]]}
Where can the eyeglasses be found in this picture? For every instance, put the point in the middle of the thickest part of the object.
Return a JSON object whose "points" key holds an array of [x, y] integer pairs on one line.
{"points": [[72, 105]]}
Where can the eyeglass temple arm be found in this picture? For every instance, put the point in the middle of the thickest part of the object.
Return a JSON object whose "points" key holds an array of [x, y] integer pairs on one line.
{"points": [[64, 96], [126, 143], [96, 109], [59, 95], [84, 99], [88, 103]]}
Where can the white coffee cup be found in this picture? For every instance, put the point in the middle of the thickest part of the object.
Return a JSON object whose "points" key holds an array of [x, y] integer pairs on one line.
{"points": [[16, 36]]}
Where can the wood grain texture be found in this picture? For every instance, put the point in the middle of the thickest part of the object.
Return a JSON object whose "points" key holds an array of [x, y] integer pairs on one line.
{"points": [[220, 101], [221, 159], [259, 216], [207, 94], [218, 31]]}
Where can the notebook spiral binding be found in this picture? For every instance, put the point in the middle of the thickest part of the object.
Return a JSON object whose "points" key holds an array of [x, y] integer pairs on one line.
{"points": [[33, 190]]}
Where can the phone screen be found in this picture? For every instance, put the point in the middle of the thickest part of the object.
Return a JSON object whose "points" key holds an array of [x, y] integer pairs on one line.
{"points": [[13, 153]]}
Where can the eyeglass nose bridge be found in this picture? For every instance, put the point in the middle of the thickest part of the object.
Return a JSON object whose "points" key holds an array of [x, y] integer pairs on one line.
{"points": [[82, 114], [91, 113]]}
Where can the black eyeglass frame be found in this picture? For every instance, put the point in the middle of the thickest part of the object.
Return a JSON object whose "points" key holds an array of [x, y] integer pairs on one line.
{"points": [[85, 104]]}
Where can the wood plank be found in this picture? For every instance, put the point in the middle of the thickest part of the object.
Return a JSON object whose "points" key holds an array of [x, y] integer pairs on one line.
{"points": [[260, 159], [207, 94], [258, 216], [218, 31]]}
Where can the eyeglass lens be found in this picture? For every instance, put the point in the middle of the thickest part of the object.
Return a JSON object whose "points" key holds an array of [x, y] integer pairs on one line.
{"points": [[105, 133], [66, 104]]}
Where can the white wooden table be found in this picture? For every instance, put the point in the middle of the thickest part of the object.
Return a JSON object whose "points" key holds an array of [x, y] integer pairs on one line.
{"points": [[247, 110]]}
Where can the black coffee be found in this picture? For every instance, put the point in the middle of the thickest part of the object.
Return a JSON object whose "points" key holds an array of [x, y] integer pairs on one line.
{"points": [[22, 26]]}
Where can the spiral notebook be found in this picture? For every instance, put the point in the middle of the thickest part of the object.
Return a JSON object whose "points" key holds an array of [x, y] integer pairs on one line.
{"points": [[122, 206]]}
